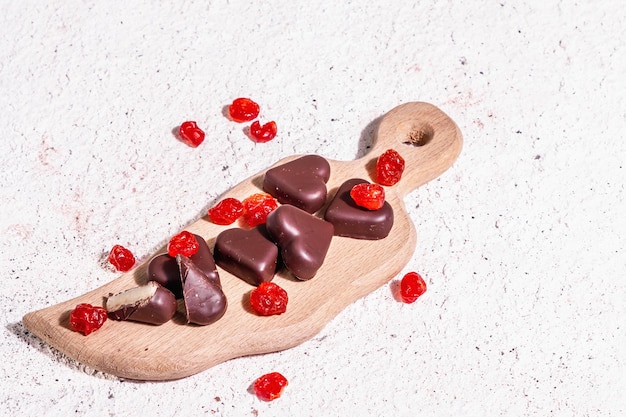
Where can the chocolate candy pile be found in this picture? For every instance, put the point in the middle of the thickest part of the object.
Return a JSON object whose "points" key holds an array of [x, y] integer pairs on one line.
{"points": [[292, 237]]}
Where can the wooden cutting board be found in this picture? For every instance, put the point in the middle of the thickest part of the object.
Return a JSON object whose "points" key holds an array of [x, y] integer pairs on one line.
{"points": [[428, 140]]}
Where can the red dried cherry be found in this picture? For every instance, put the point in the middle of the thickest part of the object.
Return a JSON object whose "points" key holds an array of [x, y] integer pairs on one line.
{"points": [[243, 110], [263, 133], [270, 386], [121, 258], [268, 299], [412, 286], [191, 134], [256, 208], [184, 243], [86, 318], [389, 167], [226, 211], [369, 196]]}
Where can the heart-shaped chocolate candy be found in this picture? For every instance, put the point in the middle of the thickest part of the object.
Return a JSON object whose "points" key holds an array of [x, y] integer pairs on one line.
{"points": [[247, 253], [357, 222], [301, 182], [164, 269], [205, 302], [303, 239]]}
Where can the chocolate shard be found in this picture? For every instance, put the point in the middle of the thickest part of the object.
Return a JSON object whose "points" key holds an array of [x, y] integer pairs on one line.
{"points": [[248, 254], [301, 182], [303, 239], [357, 222], [164, 269], [205, 302], [150, 303]]}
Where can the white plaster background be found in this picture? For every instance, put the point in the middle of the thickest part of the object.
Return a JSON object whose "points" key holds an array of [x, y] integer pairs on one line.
{"points": [[522, 242]]}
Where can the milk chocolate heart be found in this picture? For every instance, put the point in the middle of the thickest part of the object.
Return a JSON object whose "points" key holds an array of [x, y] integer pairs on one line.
{"points": [[357, 222], [303, 239], [247, 253], [301, 182], [164, 269]]}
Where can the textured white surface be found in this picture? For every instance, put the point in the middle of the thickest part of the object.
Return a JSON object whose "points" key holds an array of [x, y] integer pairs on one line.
{"points": [[522, 242]]}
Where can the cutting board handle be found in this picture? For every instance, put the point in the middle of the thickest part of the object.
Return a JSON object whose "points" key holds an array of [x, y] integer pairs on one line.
{"points": [[426, 137]]}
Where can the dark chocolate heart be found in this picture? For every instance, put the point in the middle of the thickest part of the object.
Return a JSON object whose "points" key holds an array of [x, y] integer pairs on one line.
{"points": [[303, 239], [357, 222], [301, 182], [247, 253], [164, 269], [205, 302]]}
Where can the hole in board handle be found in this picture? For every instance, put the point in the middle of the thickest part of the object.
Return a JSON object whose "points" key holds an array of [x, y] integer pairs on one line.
{"points": [[419, 135]]}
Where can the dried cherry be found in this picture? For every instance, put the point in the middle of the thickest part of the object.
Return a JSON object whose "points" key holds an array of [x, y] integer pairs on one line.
{"points": [[256, 208], [367, 195], [263, 133], [269, 299], [243, 110], [86, 318], [191, 134], [270, 386], [184, 243], [389, 167], [226, 211], [412, 286], [121, 258]]}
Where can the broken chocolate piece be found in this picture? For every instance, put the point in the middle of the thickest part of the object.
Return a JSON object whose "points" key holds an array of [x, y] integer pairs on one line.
{"points": [[357, 222], [150, 303], [303, 239], [247, 253], [205, 302], [163, 268], [301, 182]]}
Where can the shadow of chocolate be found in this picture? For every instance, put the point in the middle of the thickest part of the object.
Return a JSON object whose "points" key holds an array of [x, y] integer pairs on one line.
{"points": [[180, 317], [211, 243], [284, 273], [258, 182]]}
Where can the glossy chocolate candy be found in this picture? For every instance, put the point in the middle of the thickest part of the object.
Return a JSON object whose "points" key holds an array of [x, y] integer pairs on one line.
{"points": [[357, 222], [303, 239], [247, 253], [150, 303], [164, 269], [301, 182], [205, 302]]}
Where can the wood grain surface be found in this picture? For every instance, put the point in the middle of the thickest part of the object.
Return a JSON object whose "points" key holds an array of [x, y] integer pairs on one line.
{"points": [[428, 140]]}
